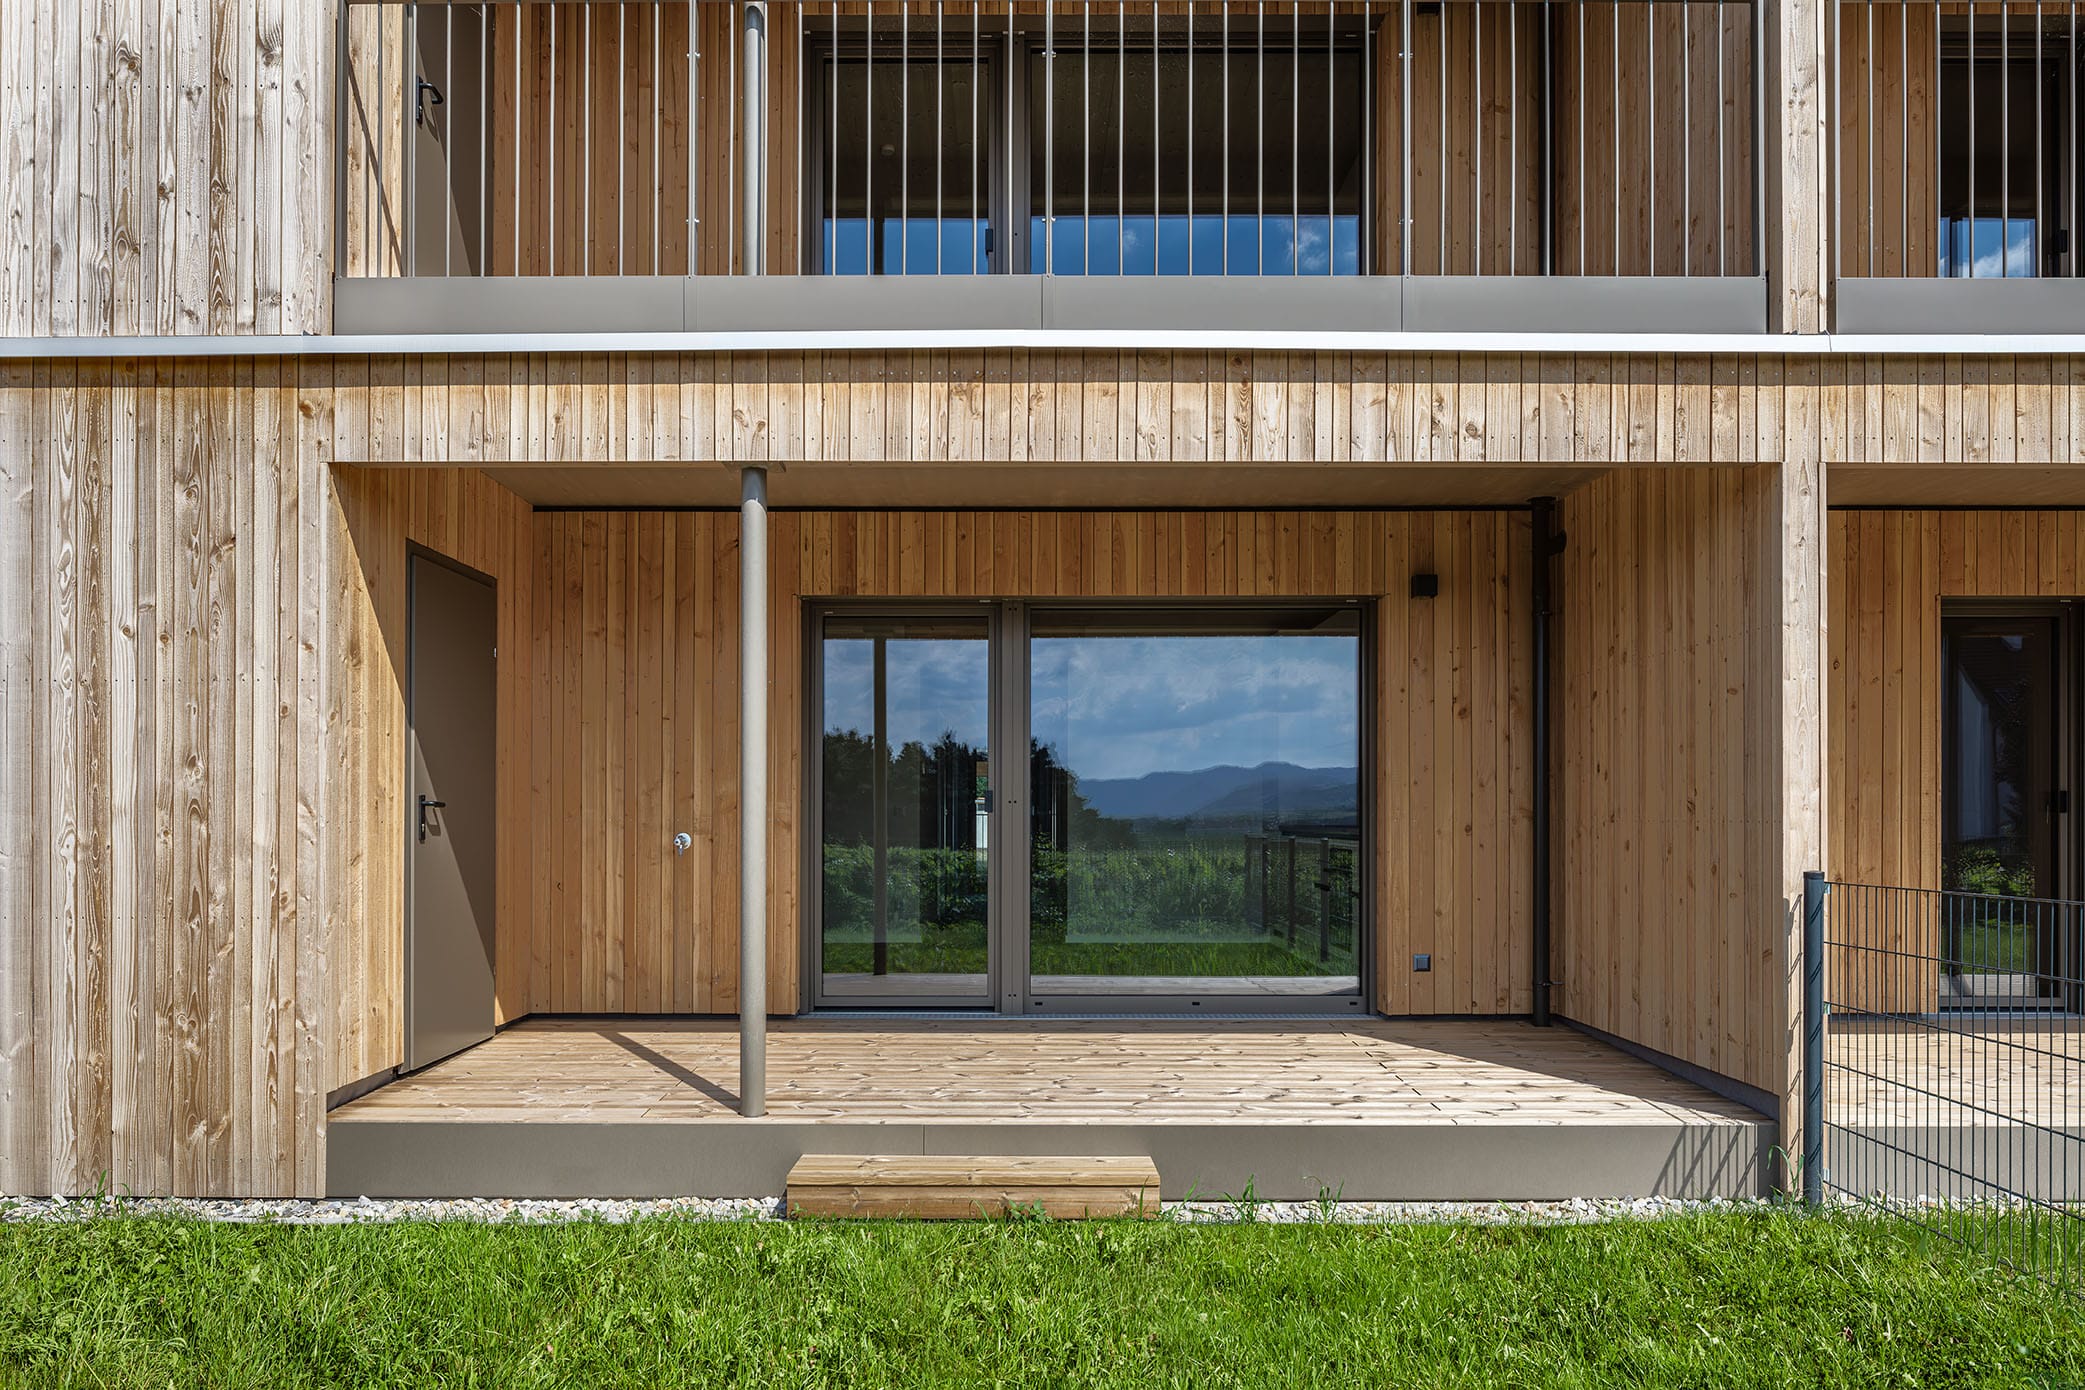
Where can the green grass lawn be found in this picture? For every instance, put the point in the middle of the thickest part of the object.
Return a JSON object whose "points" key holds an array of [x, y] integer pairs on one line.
{"points": [[1726, 1299]]}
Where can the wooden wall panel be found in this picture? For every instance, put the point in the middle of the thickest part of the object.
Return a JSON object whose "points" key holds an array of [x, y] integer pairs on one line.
{"points": [[166, 166], [1890, 572], [163, 883], [202, 822], [1655, 165], [811, 409], [1888, 156], [1663, 724], [642, 608]]}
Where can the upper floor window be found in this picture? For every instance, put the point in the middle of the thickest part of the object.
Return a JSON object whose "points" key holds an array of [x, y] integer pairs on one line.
{"points": [[2005, 146], [1172, 158], [1958, 139], [1099, 149]]}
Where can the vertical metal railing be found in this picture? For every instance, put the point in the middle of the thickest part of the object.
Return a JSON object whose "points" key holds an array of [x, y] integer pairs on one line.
{"points": [[1084, 137], [1305, 889], [1920, 89], [1944, 1067], [522, 137]]}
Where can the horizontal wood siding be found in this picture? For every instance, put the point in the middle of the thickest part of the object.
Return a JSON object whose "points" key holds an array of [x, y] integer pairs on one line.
{"points": [[1660, 716], [637, 616]]}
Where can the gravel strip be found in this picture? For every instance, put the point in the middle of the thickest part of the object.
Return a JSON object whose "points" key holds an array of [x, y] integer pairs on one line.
{"points": [[339, 1212], [533, 1211]]}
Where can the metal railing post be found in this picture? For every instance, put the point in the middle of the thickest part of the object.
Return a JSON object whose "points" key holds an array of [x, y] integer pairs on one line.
{"points": [[1814, 890], [753, 117]]}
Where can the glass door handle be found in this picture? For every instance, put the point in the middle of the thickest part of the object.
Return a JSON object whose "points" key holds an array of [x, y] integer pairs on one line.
{"points": [[428, 803]]}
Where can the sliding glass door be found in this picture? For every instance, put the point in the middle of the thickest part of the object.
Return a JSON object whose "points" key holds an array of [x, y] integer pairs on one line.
{"points": [[1192, 801], [2005, 809], [905, 842]]}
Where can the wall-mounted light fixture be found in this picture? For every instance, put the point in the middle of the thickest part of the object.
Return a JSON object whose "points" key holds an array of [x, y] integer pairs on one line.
{"points": [[1426, 586]]}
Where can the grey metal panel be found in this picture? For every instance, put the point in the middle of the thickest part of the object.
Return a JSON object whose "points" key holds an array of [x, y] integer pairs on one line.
{"points": [[452, 695], [1362, 1162], [1961, 306], [771, 303], [1593, 304], [1959, 1162], [512, 304], [1311, 303]]}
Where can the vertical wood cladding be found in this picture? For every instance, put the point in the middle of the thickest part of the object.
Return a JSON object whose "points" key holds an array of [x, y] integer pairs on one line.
{"points": [[636, 632], [1667, 712]]}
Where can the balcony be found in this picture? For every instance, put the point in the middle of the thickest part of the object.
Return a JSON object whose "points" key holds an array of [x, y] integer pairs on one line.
{"points": [[1957, 163], [1473, 165]]}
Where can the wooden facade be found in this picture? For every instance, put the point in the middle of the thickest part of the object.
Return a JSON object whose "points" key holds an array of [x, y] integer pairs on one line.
{"points": [[237, 924], [202, 721]]}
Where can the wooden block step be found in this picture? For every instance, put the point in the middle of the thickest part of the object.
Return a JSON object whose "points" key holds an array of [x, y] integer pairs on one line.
{"points": [[951, 1187]]}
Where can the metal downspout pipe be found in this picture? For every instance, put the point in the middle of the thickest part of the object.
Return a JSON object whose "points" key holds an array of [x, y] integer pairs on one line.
{"points": [[1548, 542]]}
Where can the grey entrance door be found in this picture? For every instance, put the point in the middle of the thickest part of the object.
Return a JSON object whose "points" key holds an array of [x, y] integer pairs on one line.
{"points": [[450, 825]]}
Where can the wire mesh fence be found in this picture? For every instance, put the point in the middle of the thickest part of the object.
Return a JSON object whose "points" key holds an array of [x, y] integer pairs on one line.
{"points": [[1944, 1067]]}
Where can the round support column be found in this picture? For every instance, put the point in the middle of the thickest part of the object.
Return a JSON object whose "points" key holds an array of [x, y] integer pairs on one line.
{"points": [[752, 805]]}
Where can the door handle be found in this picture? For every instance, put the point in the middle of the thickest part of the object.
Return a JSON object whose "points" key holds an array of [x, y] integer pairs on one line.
{"points": [[428, 803]]}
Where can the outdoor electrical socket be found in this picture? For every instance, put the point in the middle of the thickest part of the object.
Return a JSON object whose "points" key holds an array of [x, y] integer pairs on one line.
{"points": [[1423, 962]]}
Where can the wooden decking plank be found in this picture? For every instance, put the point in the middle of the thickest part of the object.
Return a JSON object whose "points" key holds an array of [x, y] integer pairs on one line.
{"points": [[949, 1186]]}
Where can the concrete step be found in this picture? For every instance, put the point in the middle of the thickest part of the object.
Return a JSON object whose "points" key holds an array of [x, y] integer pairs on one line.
{"points": [[954, 1187]]}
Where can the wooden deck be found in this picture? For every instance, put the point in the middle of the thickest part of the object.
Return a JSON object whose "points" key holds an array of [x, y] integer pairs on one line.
{"points": [[1952, 1110], [1984, 1072], [999, 1072], [1373, 1108]]}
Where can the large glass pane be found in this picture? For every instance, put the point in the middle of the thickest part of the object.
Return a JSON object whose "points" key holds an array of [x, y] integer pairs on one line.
{"points": [[1195, 803], [904, 881], [1179, 161], [904, 182], [1998, 822]]}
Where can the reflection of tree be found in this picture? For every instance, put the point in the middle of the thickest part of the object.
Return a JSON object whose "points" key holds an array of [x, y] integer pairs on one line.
{"points": [[1999, 678], [930, 791], [1059, 817]]}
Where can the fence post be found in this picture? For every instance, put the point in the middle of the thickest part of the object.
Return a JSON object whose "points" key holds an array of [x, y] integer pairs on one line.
{"points": [[1814, 890]]}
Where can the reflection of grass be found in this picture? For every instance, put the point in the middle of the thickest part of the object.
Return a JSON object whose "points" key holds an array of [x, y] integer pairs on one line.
{"points": [[960, 949], [1994, 948], [1177, 908]]}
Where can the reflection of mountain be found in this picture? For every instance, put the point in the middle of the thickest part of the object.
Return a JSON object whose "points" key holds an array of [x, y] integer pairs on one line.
{"points": [[1270, 790]]}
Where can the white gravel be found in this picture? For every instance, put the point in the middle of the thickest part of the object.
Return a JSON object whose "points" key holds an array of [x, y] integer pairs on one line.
{"points": [[345, 1211]]}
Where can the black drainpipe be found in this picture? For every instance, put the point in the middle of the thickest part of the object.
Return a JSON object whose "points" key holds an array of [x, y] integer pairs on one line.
{"points": [[1548, 543]]}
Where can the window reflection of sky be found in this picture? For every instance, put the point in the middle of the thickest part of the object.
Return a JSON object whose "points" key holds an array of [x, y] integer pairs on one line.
{"points": [[1127, 706], [931, 687], [1987, 248], [1242, 244]]}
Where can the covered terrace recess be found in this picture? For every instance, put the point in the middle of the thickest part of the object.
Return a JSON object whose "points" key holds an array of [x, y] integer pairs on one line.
{"points": [[1369, 1109]]}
